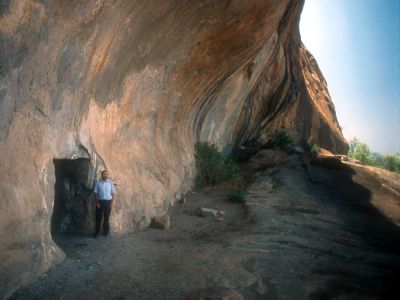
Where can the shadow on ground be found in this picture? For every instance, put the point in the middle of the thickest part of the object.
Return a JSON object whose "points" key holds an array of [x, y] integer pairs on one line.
{"points": [[319, 237]]}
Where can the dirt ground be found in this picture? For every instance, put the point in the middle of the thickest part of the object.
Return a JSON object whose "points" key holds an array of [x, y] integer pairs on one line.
{"points": [[305, 233]]}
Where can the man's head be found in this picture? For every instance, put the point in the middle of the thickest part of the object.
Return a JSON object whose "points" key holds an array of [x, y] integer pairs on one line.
{"points": [[104, 174]]}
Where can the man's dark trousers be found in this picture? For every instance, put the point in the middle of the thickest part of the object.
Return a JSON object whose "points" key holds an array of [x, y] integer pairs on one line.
{"points": [[105, 209]]}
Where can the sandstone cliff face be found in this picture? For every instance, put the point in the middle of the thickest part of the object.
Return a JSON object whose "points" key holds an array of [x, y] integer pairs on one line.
{"points": [[131, 86]]}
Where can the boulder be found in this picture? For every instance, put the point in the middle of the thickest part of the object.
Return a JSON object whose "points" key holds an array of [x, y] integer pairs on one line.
{"points": [[208, 212], [299, 150], [260, 287], [144, 222], [266, 158], [212, 213], [268, 186], [324, 152]]}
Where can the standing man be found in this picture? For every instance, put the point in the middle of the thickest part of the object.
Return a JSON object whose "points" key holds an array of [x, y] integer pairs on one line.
{"points": [[104, 194]]}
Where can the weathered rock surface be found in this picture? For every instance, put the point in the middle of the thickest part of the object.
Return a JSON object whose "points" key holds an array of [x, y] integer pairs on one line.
{"points": [[131, 86], [214, 294], [266, 158], [383, 185], [322, 235], [161, 222]]}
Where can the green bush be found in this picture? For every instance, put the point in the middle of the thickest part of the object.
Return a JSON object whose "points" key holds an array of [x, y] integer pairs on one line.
{"points": [[391, 162], [314, 149], [361, 152], [375, 159], [214, 166], [237, 197], [280, 139]]}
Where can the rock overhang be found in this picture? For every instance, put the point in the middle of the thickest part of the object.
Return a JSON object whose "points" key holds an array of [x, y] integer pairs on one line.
{"points": [[132, 85]]}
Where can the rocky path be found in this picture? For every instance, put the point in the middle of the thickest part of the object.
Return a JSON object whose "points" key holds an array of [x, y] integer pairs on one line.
{"points": [[308, 233], [152, 264], [319, 237]]}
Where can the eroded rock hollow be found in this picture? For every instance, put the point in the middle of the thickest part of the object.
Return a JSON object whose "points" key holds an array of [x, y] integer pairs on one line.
{"points": [[131, 86]]}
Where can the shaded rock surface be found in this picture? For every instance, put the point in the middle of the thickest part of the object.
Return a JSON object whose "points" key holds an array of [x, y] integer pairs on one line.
{"points": [[162, 222], [312, 240], [322, 235], [266, 158], [131, 86], [214, 294], [383, 185]]}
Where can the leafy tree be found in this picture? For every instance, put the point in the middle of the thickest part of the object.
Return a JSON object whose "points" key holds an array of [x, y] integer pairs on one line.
{"points": [[359, 151], [391, 162]]}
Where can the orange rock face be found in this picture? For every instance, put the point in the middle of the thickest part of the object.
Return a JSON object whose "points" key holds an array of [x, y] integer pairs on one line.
{"points": [[131, 86]]}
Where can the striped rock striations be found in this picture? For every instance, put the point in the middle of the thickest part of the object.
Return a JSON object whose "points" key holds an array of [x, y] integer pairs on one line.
{"points": [[131, 86]]}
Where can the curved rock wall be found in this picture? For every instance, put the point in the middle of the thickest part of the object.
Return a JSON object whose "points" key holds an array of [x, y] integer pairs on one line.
{"points": [[132, 85]]}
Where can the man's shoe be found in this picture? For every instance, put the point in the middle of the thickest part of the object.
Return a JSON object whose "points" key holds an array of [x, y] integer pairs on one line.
{"points": [[95, 235]]}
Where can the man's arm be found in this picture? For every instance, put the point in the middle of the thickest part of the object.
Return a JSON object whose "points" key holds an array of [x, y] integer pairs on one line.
{"points": [[96, 195], [112, 193]]}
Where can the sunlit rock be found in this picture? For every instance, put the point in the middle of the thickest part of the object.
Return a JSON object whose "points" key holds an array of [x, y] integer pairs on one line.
{"points": [[131, 86]]}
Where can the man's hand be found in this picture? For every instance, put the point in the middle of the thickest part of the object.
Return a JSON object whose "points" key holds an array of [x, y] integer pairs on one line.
{"points": [[112, 200], [96, 198]]}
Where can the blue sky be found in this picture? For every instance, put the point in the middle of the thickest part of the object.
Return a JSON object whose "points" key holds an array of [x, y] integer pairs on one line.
{"points": [[357, 46]]}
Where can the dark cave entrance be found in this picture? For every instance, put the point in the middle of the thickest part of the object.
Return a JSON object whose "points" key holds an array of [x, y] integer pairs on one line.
{"points": [[74, 206]]}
